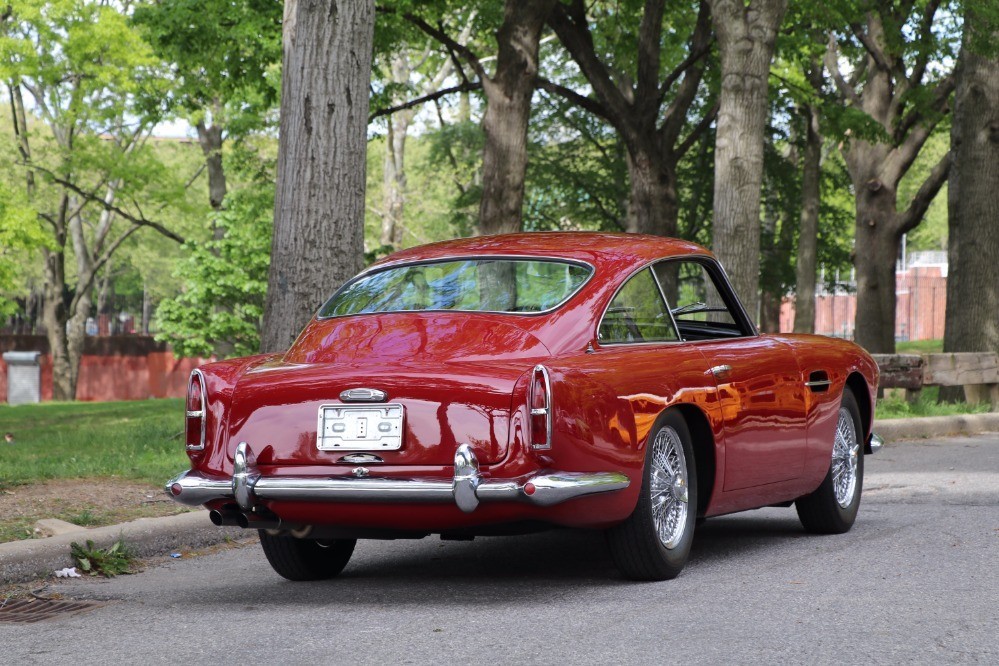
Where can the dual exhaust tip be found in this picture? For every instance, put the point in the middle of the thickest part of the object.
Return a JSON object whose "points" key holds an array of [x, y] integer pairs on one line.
{"points": [[230, 518]]}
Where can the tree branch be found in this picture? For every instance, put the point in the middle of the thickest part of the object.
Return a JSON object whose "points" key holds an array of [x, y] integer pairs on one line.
{"points": [[925, 34], [582, 101], [924, 197], [649, 56], [832, 64], [700, 129], [569, 23], [870, 46], [467, 86], [941, 99], [110, 207], [693, 68], [442, 37]]}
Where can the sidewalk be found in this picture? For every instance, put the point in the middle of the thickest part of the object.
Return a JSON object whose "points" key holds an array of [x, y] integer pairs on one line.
{"points": [[36, 558]]}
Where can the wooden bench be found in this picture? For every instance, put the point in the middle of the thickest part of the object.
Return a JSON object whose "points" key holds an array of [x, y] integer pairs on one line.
{"points": [[977, 372]]}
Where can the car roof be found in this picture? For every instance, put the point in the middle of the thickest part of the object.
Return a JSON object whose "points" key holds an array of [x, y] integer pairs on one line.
{"points": [[590, 247]]}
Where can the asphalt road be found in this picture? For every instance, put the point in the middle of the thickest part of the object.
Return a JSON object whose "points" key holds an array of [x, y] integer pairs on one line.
{"points": [[914, 581]]}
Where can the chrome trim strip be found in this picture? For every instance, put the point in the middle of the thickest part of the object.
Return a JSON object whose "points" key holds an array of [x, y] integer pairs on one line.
{"points": [[819, 383], [194, 414], [362, 458], [467, 489], [363, 395]]}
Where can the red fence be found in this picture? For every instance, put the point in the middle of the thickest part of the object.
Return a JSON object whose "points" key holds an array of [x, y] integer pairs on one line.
{"points": [[112, 368], [920, 304]]}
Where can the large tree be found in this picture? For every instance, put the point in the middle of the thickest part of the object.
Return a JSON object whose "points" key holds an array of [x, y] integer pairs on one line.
{"points": [[972, 322], [224, 58], [896, 91], [319, 204], [747, 31], [74, 71], [646, 92], [508, 92], [413, 73]]}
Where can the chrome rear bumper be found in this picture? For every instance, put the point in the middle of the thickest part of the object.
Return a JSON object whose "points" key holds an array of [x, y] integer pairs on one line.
{"points": [[466, 489]]}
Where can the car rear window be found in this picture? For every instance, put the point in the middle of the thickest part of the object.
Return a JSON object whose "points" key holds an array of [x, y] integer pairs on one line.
{"points": [[470, 285]]}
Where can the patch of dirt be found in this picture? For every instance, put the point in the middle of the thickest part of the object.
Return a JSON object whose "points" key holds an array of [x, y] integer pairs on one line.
{"points": [[84, 502]]}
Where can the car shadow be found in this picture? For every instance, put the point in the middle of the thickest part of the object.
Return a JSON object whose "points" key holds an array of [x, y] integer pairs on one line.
{"points": [[493, 570]]}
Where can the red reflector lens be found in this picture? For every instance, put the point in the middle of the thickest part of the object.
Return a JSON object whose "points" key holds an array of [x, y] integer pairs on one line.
{"points": [[195, 404], [175, 489], [529, 488], [539, 402]]}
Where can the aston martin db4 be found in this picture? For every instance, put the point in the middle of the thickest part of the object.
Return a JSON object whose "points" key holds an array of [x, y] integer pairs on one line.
{"points": [[504, 384]]}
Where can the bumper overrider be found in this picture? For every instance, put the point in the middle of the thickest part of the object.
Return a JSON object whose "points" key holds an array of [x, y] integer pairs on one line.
{"points": [[466, 489]]}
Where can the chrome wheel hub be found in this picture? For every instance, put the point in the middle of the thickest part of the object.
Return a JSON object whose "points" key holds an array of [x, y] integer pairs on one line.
{"points": [[846, 451], [669, 487]]}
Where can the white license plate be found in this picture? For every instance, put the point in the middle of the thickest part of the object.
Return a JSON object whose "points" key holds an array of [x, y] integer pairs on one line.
{"points": [[360, 427]]}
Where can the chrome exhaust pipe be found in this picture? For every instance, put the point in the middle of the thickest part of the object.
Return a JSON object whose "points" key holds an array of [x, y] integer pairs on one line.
{"points": [[255, 522], [224, 518]]}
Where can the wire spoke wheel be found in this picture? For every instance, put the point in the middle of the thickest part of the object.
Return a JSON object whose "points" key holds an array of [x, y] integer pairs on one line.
{"points": [[653, 543], [844, 459], [832, 507], [669, 487]]}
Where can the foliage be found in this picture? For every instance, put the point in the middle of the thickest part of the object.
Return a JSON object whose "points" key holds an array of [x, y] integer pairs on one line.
{"points": [[138, 440], [20, 233], [224, 281], [118, 558], [225, 57]]}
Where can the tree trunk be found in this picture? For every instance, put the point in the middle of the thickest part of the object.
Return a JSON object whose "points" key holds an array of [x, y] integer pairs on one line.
{"points": [[746, 36], [652, 204], [808, 237], [972, 319], [395, 180], [210, 139], [876, 252], [508, 109], [319, 204], [54, 319]]}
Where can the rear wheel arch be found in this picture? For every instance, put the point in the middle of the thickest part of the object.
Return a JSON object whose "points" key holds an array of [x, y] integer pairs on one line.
{"points": [[856, 383], [703, 443]]}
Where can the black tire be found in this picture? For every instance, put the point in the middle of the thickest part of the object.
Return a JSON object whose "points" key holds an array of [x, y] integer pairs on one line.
{"points": [[821, 512], [306, 559], [635, 545]]}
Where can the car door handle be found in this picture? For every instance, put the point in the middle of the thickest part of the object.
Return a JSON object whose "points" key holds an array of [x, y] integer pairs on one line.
{"points": [[721, 371]]}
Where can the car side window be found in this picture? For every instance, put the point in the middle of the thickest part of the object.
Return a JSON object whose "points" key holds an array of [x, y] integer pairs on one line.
{"points": [[637, 314], [698, 306]]}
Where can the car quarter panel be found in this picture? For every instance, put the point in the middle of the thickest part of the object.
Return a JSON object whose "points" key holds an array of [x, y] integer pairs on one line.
{"points": [[607, 402]]}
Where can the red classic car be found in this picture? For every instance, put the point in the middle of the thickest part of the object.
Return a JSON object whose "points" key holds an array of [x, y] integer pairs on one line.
{"points": [[504, 384]]}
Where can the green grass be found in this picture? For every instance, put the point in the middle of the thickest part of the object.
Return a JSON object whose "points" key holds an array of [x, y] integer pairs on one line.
{"points": [[896, 407], [137, 440], [920, 347]]}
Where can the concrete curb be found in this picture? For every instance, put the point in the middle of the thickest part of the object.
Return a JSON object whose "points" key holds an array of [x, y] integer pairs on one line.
{"points": [[33, 558], [26, 560], [894, 430]]}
